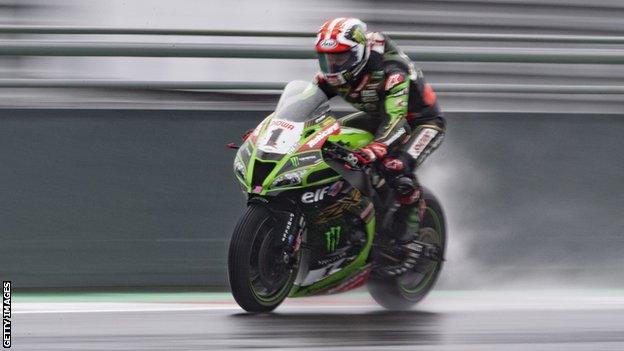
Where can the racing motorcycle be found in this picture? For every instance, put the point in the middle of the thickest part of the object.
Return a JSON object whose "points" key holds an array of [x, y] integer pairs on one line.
{"points": [[316, 223]]}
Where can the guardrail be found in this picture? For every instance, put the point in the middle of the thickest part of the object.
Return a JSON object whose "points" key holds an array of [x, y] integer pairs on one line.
{"points": [[18, 47], [206, 85], [45, 30], [421, 54]]}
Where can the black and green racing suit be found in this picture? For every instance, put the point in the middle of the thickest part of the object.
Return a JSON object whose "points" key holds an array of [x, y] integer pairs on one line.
{"points": [[402, 112]]}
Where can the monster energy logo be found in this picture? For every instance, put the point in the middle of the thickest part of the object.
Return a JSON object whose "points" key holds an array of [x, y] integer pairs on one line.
{"points": [[294, 161], [332, 237]]}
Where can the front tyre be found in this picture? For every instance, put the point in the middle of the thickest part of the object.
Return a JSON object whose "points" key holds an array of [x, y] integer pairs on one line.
{"points": [[261, 271], [405, 291]]}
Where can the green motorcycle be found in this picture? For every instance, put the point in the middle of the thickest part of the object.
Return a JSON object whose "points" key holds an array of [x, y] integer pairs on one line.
{"points": [[314, 223]]}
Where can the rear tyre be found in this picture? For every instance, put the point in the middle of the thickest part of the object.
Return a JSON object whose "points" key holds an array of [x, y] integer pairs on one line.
{"points": [[403, 292], [259, 274]]}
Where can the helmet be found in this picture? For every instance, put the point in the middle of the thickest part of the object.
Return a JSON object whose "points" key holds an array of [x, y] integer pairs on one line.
{"points": [[342, 49]]}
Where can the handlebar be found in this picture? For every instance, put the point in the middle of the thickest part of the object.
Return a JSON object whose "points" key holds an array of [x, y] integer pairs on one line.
{"points": [[339, 152]]}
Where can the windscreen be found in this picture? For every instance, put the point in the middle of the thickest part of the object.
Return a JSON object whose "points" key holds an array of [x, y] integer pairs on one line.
{"points": [[301, 101]]}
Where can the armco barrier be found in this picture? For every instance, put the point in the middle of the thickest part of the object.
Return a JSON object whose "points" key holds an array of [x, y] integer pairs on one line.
{"points": [[421, 54], [208, 85], [530, 38]]}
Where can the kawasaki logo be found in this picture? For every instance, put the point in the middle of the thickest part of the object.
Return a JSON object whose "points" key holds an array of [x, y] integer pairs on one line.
{"points": [[332, 237]]}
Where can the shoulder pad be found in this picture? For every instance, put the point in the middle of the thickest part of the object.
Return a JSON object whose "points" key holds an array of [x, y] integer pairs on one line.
{"points": [[393, 80], [377, 42]]}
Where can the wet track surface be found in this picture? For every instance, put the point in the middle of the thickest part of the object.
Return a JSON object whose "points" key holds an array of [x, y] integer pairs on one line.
{"points": [[546, 324]]}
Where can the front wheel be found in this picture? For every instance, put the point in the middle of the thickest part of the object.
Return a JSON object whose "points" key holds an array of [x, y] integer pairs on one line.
{"points": [[261, 271], [405, 291]]}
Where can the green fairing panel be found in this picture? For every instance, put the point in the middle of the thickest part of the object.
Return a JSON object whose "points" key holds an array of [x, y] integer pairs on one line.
{"points": [[353, 268], [306, 162], [352, 138]]}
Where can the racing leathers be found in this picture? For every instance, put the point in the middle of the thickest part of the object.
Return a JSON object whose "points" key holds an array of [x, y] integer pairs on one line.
{"points": [[402, 112]]}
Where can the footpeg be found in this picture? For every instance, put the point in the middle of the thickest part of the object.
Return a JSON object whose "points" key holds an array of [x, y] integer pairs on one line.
{"points": [[413, 251]]}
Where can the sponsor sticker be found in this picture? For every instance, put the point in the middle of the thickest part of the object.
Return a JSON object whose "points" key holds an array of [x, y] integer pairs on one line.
{"points": [[394, 79], [297, 161], [289, 224], [370, 98], [317, 195], [377, 75], [318, 120], [369, 93], [280, 137], [329, 43], [420, 143], [283, 123], [335, 188], [332, 238], [308, 158], [333, 258], [322, 135]]}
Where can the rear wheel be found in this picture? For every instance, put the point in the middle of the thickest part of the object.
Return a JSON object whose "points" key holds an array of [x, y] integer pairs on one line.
{"points": [[405, 291], [261, 271]]}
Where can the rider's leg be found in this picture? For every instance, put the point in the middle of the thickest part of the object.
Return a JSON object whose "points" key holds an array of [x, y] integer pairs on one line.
{"points": [[400, 169], [401, 166]]}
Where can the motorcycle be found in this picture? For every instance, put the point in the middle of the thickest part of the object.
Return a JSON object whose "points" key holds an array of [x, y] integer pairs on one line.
{"points": [[317, 224]]}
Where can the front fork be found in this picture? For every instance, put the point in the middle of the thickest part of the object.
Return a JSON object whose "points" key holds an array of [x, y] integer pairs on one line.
{"points": [[291, 239]]}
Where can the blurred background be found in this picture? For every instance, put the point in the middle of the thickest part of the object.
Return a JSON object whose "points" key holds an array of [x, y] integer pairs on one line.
{"points": [[115, 175]]}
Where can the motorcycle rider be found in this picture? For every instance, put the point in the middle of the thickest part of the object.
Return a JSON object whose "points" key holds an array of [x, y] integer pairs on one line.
{"points": [[371, 73]]}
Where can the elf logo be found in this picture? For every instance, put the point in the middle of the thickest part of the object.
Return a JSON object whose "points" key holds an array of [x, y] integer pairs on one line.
{"points": [[319, 194]]}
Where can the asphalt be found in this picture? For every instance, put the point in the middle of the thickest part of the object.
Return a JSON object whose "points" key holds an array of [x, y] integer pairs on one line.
{"points": [[509, 320]]}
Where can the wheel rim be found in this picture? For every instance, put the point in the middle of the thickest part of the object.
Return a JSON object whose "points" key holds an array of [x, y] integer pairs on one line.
{"points": [[414, 282], [269, 274]]}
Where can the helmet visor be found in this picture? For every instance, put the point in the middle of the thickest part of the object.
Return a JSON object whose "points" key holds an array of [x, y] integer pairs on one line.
{"points": [[338, 61]]}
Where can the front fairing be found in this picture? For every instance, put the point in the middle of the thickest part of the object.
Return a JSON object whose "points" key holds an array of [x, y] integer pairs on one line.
{"points": [[284, 151], [285, 155]]}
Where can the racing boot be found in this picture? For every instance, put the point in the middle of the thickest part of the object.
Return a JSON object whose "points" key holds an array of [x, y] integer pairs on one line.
{"points": [[402, 250]]}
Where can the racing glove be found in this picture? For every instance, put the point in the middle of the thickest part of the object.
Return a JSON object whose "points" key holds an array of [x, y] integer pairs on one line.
{"points": [[370, 153]]}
